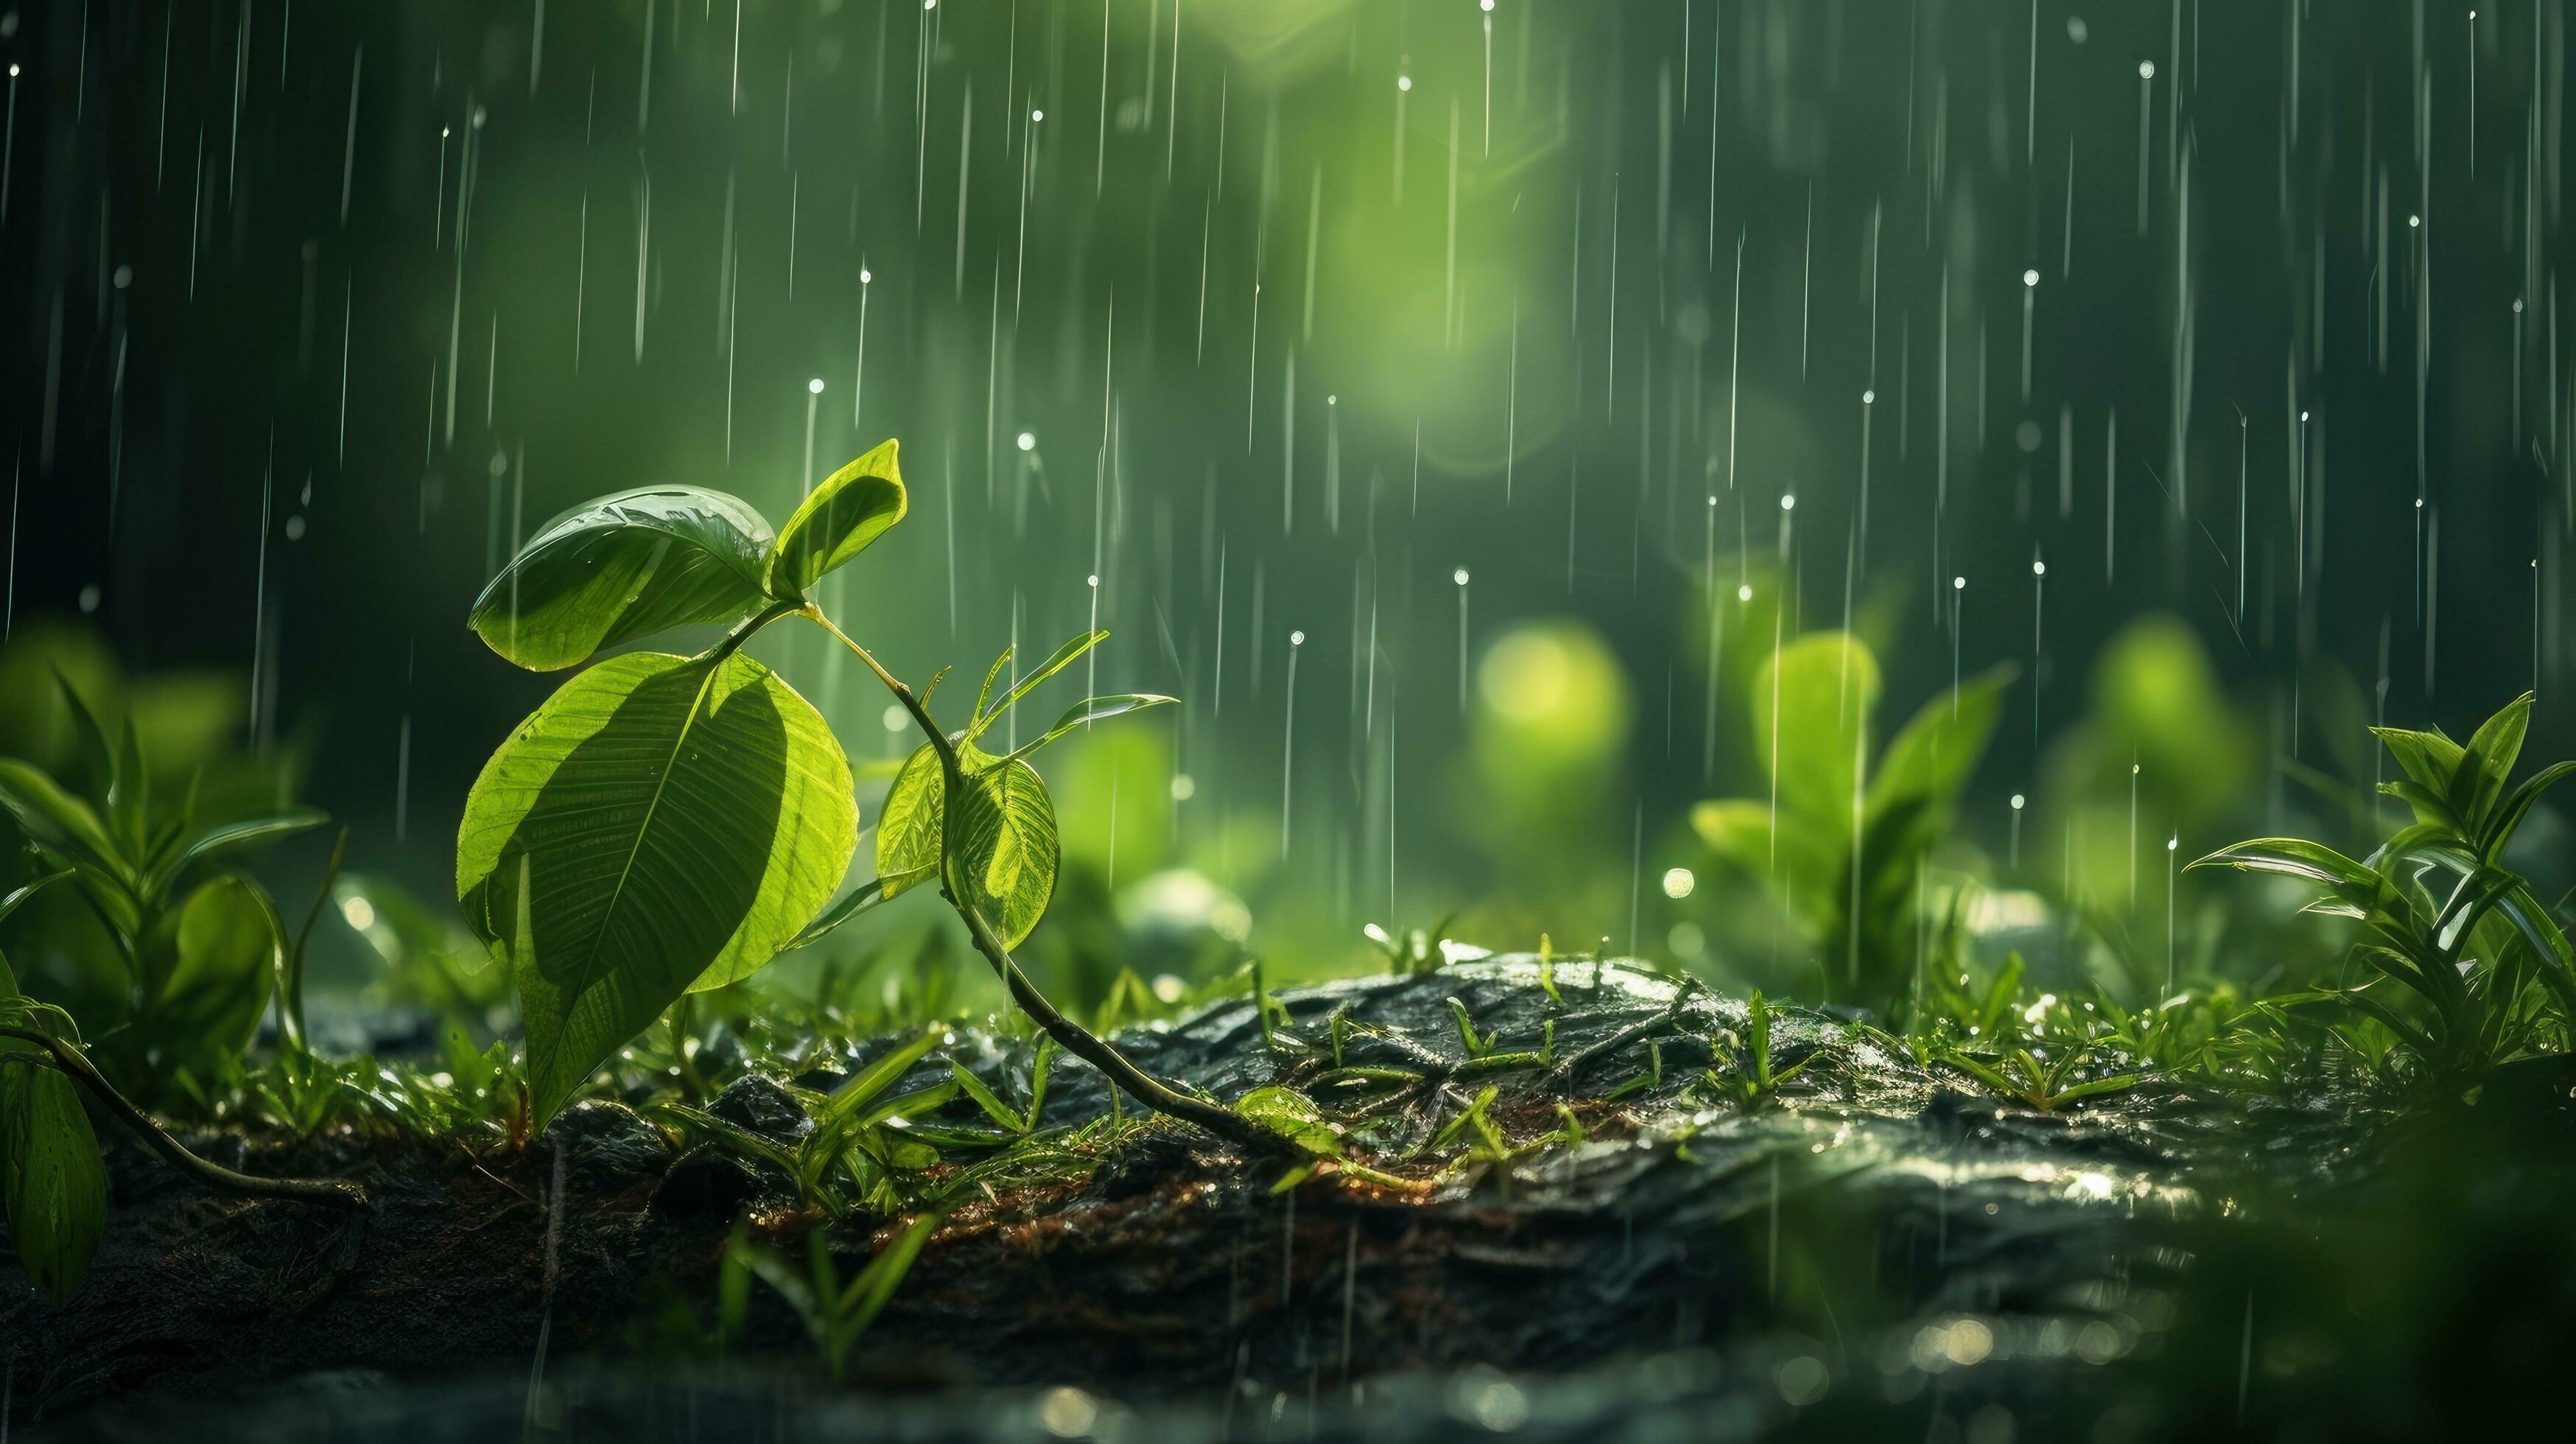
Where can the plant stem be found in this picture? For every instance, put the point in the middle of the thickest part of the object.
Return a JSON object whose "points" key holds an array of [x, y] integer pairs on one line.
{"points": [[1121, 1070], [70, 1060]]}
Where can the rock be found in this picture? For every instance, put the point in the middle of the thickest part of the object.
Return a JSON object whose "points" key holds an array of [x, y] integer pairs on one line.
{"points": [[605, 1145], [761, 1104]]}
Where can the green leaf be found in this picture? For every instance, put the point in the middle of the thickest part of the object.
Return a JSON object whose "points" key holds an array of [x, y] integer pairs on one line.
{"points": [[1063, 657], [2493, 749], [2432, 809], [2296, 857], [216, 841], [2501, 824], [99, 757], [856, 901], [992, 674], [129, 801], [56, 818], [1007, 849], [1938, 750], [1089, 710], [1293, 1116], [225, 949], [874, 1287], [908, 829], [51, 1179], [1810, 720], [660, 822], [621, 567], [10, 900], [852, 508], [2428, 759], [863, 1086], [993, 1107]]}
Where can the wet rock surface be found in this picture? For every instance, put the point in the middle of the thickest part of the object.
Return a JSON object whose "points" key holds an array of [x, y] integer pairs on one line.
{"points": [[1881, 1246]]}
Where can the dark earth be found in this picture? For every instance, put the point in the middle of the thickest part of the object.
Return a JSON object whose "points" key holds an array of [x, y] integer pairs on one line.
{"points": [[1880, 1251]]}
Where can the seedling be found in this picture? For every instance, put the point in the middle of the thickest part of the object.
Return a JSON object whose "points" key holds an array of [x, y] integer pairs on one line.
{"points": [[198, 973], [665, 825], [1755, 1077], [1838, 845], [835, 1314], [199, 965], [2463, 953], [1415, 951]]}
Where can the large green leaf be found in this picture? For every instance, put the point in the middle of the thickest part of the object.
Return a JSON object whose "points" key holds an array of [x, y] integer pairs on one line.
{"points": [[621, 567], [660, 822], [852, 508], [1810, 718], [1006, 850], [51, 1179]]}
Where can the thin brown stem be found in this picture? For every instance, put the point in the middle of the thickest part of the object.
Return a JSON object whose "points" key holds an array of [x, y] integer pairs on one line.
{"points": [[69, 1060], [1121, 1070]]}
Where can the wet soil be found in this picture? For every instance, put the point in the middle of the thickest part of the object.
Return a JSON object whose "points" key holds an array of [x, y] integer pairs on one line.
{"points": [[1881, 1247]]}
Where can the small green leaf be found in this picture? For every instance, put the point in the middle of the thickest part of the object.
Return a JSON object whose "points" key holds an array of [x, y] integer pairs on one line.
{"points": [[56, 818], [51, 1179], [908, 827], [621, 567], [98, 756], [1064, 657], [1293, 1116], [993, 1107], [860, 1088], [660, 822], [992, 674], [2429, 759], [214, 842], [1090, 710], [1007, 848], [10, 901], [856, 901], [1006, 851], [852, 508]]}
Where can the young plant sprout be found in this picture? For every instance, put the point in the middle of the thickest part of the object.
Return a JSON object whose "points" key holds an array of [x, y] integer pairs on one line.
{"points": [[2478, 960], [664, 825]]}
